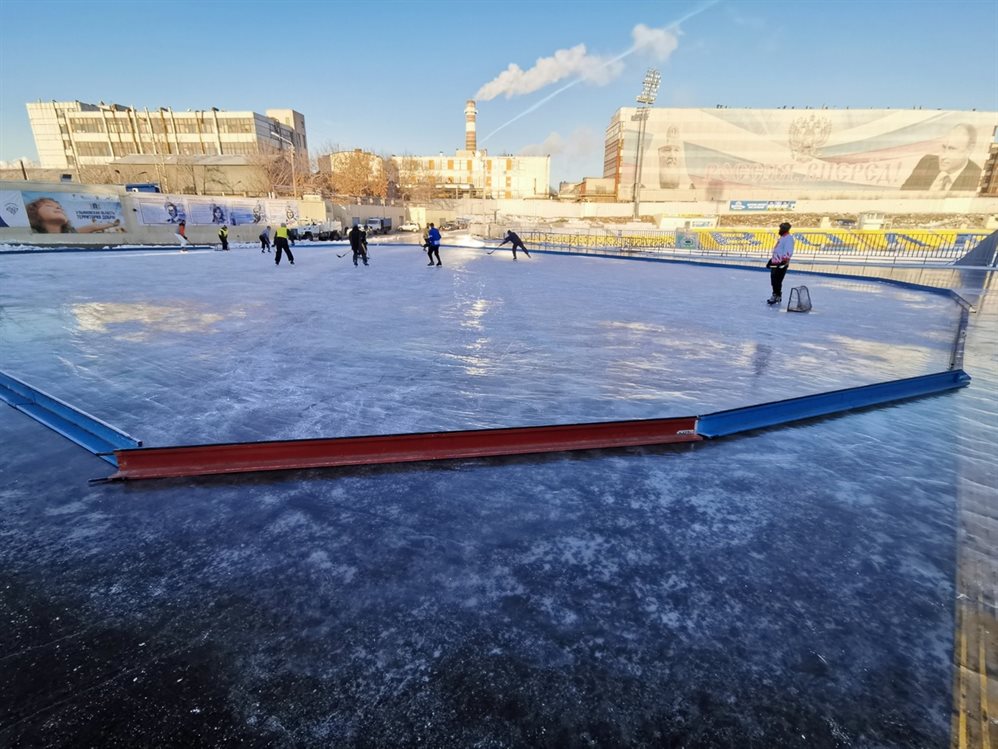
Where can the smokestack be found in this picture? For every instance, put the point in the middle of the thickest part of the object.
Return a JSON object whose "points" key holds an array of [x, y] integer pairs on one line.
{"points": [[470, 115]]}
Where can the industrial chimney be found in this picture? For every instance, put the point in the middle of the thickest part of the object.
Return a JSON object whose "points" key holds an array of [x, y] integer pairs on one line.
{"points": [[470, 115]]}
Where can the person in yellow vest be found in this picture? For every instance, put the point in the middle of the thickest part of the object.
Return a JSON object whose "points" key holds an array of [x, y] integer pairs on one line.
{"points": [[223, 234], [281, 243]]}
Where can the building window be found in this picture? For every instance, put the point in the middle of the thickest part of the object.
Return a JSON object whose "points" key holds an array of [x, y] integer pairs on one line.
{"points": [[93, 149], [86, 125], [509, 165]]}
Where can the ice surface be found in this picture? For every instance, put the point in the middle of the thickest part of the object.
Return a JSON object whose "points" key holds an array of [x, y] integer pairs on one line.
{"points": [[210, 346], [790, 587]]}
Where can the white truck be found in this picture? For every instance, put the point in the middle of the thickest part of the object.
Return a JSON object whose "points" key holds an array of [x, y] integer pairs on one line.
{"points": [[327, 230], [379, 225]]}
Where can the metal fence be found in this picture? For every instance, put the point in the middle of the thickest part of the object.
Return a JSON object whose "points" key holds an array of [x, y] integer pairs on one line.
{"points": [[838, 246]]}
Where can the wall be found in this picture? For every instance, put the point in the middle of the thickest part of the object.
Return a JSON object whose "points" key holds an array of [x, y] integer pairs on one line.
{"points": [[739, 154]]}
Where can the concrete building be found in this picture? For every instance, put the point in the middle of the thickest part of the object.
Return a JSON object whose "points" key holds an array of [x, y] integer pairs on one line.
{"points": [[758, 154], [74, 134], [476, 174]]}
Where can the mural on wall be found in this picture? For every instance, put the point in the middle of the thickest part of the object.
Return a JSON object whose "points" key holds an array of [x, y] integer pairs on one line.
{"points": [[72, 212], [813, 150], [170, 209], [207, 211], [12, 209], [162, 209]]}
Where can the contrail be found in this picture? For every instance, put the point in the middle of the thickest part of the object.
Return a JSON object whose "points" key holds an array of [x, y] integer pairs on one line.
{"points": [[533, 107]]}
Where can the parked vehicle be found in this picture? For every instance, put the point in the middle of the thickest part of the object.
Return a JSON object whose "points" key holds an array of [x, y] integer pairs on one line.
{"points": [[330, 230], [379, 225], [409, 226]]}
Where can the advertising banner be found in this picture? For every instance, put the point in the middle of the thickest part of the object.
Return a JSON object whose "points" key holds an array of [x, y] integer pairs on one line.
{"points": [[242, 211], [12, 209], [161, 209], [285, 211], [830, 151], [780, 206], [72, 213], [207, 211]]}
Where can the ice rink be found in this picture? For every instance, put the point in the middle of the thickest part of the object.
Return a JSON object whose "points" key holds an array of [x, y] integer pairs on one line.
{"points": [[791, 587]]}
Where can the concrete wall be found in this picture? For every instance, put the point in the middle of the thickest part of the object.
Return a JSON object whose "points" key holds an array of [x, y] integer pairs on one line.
{"points": [[312, 209]]}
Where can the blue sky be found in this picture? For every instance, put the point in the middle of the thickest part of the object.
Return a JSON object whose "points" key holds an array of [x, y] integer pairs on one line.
{"points": [[393, 76]]}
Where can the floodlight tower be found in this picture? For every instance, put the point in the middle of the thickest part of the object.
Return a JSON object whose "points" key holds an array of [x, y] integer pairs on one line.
{"points": [[649, 92]]}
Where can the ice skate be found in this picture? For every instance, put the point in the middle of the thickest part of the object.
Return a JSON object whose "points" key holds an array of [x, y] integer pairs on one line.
{"points": [[775, 299]]}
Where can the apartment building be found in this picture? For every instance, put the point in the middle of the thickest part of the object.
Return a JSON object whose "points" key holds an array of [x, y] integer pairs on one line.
{"points": [[73, 134]]}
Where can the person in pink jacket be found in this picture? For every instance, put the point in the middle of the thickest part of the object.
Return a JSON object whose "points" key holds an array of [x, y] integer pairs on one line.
{"points": [[779, 262]]}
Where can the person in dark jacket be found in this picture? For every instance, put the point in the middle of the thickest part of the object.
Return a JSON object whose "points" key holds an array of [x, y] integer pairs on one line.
{"points": [[512, 236], [223, 235], [265, 240], [358, 244], [433, 245], [281, 243]]}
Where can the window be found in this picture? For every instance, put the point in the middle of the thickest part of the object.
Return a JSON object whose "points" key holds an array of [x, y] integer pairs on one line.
{"points": [[509, 165], [450, 165], [93, 149], [86, 125]]}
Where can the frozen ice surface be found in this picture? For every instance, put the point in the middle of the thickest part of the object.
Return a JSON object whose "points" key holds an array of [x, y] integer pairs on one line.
{"points": [[208, 347], [788, 588]]}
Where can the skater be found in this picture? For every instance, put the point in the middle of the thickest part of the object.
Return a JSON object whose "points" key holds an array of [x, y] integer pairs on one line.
{"points": [[779, 262], [512, 236], [181, 235], [281, 243], [265, 240], [223, 235], [358, 244], [433, 245]]}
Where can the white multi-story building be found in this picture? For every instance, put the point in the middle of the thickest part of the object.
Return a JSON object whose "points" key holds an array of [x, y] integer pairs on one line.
{"points": [[477, 174], [73, 134]]}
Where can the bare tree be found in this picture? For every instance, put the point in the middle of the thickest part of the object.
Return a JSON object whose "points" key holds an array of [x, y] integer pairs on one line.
{"points": [[414, 182], [358, 174], [98, 174]]}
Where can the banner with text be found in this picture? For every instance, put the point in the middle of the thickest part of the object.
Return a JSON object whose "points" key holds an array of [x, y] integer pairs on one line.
{"points": [[72, 212], [830, 151]]}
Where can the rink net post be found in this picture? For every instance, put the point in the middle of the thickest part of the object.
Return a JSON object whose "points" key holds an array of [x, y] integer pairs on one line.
{"points": [[800, 300]]}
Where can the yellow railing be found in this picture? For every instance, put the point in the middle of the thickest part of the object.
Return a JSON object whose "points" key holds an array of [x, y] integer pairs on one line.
{"points": [[929, 243]]}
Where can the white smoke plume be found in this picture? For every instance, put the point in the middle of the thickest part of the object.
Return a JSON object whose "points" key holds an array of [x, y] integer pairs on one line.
{"points": [[580, 142], [659, 43], [565, 63], [578, 63]]}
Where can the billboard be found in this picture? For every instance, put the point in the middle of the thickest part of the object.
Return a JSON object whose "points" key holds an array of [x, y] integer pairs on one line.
{"points": [[12, 209], [813, 151], [170, 209], [71, 212], [161, 209]]}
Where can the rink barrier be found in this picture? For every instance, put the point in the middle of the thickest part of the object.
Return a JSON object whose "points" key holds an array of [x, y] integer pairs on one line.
{"points": [[251, 457], [105, 248], [775, 413], [88, 431]]}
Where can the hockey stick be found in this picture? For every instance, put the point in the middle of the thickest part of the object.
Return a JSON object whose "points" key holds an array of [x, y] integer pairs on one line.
{"points": [[491, 251], [344, 254]]}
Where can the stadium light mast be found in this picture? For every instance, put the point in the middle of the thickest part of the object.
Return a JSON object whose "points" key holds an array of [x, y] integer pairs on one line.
{"points": [[649, 92]]}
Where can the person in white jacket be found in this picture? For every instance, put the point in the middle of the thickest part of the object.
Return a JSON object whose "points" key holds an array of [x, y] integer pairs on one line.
{"points": [[779, 262]]}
